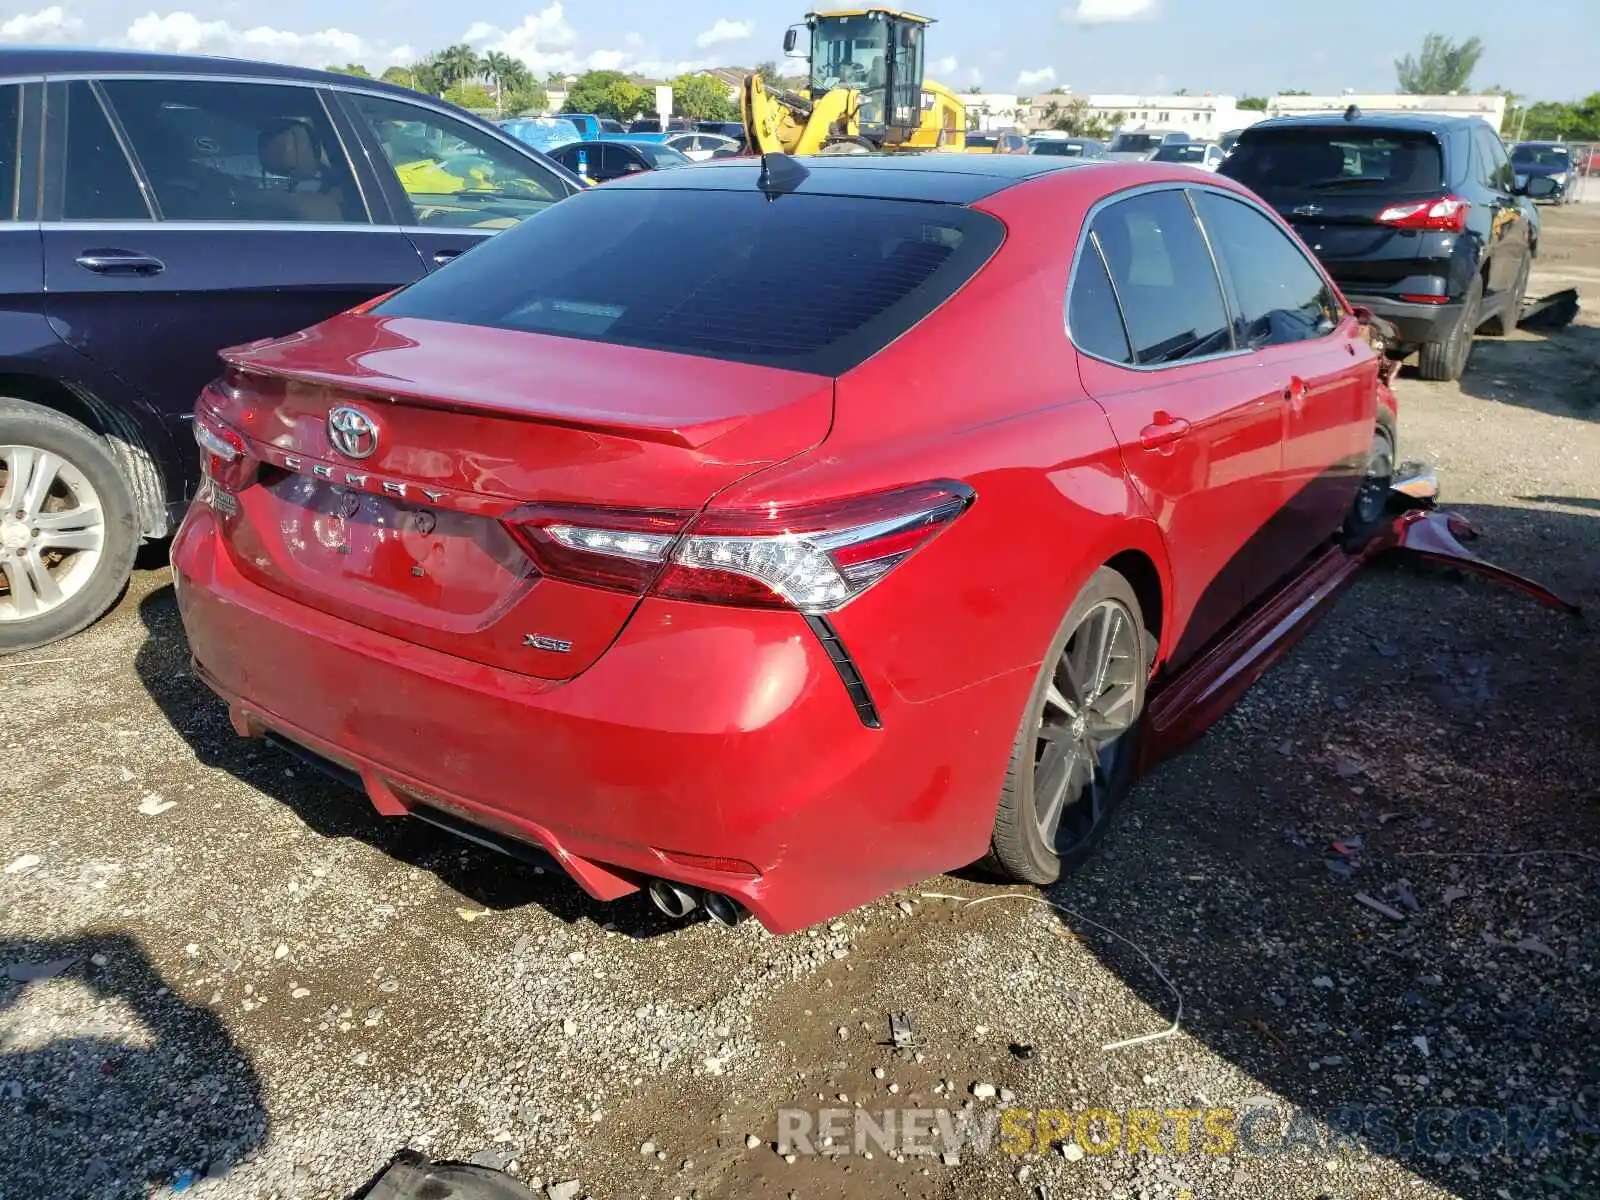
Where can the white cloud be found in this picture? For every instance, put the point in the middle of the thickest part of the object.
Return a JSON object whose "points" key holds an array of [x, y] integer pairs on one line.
{"points": [[725, 31], [184, 33], [47, 25], [1032, 81], [1105, 12], [547, 42], [944, 66]]}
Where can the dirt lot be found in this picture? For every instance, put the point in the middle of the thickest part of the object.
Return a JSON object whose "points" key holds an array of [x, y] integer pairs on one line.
{"points": [[225, 976]]}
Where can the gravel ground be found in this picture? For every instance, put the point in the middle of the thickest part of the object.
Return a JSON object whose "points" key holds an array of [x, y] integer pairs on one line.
{"points": [[222, 976]]}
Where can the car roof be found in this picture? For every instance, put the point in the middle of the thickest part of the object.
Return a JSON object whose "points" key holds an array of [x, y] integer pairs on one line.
{"points": [[1418, 122], [65, 60], [944, 178]]}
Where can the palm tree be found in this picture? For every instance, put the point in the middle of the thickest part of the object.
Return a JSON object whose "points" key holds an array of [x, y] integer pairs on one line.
{"points": [[508, 74], [459, 64]]}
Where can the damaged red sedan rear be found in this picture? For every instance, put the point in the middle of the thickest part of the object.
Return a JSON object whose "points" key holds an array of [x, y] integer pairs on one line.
{"points": [[776, 535]]}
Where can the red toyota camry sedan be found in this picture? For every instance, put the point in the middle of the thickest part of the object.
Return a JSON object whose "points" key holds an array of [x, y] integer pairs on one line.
{"points": [[775, 535]]}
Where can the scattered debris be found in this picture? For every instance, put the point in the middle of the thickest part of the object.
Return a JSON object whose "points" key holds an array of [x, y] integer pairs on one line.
{"points": [[1394, 914], [153, 805], [1421, 1043], [1323, 982], [470, 915], [1454, 893], [566, 1190], [901, 1034], [1534, 946], [1347, 768], [1386, 817], [983, 1091], [1021, 1050], [1550, 312], [26, 862], [1408, 898], [1385, 649], [752, 1142]]}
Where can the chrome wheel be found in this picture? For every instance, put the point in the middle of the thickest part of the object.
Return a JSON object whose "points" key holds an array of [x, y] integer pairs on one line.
{"points": [[1091, 702], [52, 531]]}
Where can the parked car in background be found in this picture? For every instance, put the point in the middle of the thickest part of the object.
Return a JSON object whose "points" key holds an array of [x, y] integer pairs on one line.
{"points": [[1419, 218], [1068, 147], [192, 203], [1229, 140], [542, 133], [996, 143], [728, 129], [653, 125], [616, 157], [574, 544], [1546, 160], [1137, 145], [699, 147], [1207, 156], [592, 126]]}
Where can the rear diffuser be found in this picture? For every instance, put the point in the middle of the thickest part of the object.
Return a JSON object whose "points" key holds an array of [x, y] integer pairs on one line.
{"points": [[1183, 707]]}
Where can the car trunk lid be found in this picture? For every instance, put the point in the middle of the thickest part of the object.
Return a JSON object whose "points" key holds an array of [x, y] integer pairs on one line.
{"points": [[402, 517]]}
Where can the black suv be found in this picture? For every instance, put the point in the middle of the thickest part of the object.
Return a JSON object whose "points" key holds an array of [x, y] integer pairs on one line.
{"points": [[156, 208], [1417, 218]]}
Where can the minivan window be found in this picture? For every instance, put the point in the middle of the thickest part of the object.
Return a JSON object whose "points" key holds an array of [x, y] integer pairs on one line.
{"points": [[1171, 297], [98, 182], [10, 138], [1325, 160], [225, 151], [1281, 297], [715, 273]]}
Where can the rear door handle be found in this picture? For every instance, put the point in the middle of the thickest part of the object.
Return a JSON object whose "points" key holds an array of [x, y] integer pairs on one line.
{"points": [[120, 262], [440, 257], [1163, 431], [1295, 393]]}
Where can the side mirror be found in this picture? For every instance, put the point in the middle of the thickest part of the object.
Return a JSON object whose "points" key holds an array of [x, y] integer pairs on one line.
{"points": [[789, 40], [1540, 187]]}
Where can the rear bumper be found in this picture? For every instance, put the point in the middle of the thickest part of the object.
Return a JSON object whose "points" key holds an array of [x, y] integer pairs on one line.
{"points": [[1416, 323], [703, 733]]}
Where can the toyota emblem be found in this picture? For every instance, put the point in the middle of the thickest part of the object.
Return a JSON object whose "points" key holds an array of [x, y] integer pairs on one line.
{"points": [[351, 432]]}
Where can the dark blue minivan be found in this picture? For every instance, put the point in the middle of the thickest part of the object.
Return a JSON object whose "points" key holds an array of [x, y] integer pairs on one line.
{"points": [[156, 208]]}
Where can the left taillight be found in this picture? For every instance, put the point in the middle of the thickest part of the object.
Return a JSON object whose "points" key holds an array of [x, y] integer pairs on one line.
{"points": [[1446, 214], [225, 457], [815, 557]]}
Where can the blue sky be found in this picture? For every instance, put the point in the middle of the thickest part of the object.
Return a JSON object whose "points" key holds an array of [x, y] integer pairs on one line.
{"points": [[1547, 49]]}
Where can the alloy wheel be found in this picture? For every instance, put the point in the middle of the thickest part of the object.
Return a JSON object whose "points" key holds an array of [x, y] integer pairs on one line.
{"points": [[52, 531], [1373, 498], [1090, 704]]}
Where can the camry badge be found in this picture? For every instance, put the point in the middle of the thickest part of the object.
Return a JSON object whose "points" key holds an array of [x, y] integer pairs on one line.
{"points": [[351, 432]]}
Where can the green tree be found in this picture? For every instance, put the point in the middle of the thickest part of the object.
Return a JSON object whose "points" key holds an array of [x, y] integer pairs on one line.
{"points": [[508, 74], [1441, 68], [770, 75], [470, 95], [355, 69], [702, 98], [606, 94], [458, 64], [529, 97], [404, 77], [1253, 104]]}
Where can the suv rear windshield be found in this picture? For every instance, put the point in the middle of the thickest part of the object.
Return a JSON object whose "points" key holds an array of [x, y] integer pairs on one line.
{"points": [[1134, 143], [809, 283], [1324, 160]]}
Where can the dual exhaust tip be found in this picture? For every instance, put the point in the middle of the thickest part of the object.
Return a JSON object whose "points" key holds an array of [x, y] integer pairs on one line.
{"points": [[679, 902]]}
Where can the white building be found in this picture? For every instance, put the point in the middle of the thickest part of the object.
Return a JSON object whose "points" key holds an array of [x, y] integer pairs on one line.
{"points": [[1202, 117], [992, 110], [1491, 108]]}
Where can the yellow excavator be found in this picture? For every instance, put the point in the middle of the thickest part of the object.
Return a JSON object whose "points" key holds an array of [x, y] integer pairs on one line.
{"points": [[866, 91]]}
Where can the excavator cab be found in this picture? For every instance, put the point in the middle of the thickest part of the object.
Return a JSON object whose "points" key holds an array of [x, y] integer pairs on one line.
{"points": [[877, 53]]}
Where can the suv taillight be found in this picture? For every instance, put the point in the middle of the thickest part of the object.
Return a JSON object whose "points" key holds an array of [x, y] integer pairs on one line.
{"points": [[1447, 214], [814, 557]]}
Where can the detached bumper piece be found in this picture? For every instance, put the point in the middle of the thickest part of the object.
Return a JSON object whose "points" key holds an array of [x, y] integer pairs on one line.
{"points": [[1189, 703], [410, 1176]]}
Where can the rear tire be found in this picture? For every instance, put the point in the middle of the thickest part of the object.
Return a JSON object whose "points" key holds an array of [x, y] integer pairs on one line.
{"points": [[1073, 759], [68, 531], [1446, 360], [1504, 322], [1372, 500]]}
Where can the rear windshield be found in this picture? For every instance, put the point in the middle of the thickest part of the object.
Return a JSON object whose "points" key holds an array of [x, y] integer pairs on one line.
{"points": [[975, 140], [1540, 156], [1063, 149], [808, 283], [1323, 160], [1134, 143], [1181, 152], [662, 155]]}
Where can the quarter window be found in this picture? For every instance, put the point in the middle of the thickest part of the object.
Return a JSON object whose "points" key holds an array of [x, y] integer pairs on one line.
{"points": [[1171, 299], [1280, 296], [99, 185], [218, 151], [457, 177], [1093, 318], [10, 139]]}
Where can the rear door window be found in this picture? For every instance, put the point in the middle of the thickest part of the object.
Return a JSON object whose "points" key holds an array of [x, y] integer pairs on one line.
{"points": [[1171, 297], [717, 273], [1280, 296], [98, 182], [10, 140], [1335, 160], [225, 151]]}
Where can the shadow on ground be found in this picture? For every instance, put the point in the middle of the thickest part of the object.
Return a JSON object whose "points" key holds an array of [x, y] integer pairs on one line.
{"points": [[1436, 749], [1556, 371], [136, 1089], [334, 811]]}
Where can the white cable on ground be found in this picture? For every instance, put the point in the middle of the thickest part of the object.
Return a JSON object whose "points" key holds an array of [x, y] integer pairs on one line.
{"points": [[1034, 897]]}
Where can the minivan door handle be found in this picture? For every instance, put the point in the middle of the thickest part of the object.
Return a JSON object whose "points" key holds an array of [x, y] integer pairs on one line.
{"points": [[1163, 430], [120, 262]]}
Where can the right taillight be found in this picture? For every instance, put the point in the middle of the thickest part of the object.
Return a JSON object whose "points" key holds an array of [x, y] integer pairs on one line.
{"points": [[813, 557], [1446, 214]]}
